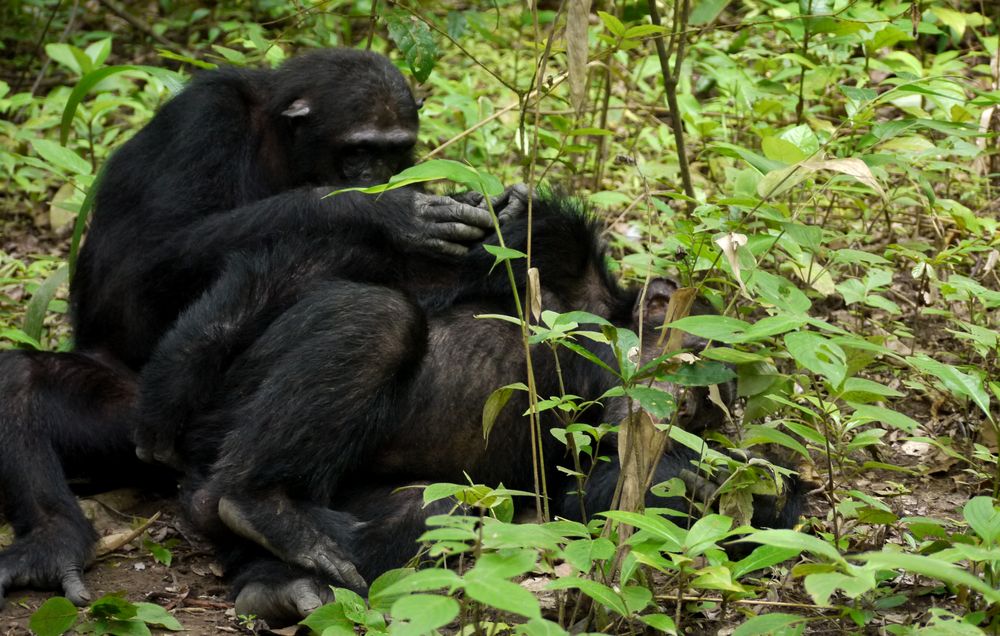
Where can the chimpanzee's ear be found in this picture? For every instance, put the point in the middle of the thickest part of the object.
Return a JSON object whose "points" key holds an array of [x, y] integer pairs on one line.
{"points": [[299, 108], [657, 299]]}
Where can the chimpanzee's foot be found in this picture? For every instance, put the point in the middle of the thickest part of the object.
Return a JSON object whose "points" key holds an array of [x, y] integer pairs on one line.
{"points": [[314, 538], [50, 557]]}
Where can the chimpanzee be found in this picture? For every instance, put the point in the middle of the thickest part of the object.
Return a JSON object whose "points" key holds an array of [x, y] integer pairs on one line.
{"points": [[307, 390], [236, 160]]}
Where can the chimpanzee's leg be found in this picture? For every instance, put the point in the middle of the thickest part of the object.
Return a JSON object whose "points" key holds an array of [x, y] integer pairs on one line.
{"points": [[186, 373], [62, 414], [312, 397]]}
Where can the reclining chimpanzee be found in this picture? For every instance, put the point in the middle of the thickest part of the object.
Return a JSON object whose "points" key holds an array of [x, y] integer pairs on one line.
{"points": [[230, 163], [304, 389]]}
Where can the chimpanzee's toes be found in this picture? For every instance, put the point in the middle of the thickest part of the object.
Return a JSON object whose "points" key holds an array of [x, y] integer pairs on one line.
{"points": [[282, 603], [47, 560]]}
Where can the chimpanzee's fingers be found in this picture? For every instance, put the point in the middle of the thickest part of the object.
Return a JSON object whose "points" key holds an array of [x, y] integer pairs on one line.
{"points": [[438, 209], [340, 569], [445, 248], [73, 587], [512, 203], [456, 232]]}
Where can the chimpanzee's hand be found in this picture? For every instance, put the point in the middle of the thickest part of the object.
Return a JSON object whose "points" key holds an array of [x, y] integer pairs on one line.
{"points": [[511, 203], [446, 226], [48, 558]]}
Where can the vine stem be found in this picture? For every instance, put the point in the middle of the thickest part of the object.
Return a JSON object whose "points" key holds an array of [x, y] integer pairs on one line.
{"points": [[670, 84]]}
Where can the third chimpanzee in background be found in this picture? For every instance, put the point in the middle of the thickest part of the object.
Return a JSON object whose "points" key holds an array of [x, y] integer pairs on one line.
{"points": [[308, 390], [238, 159]]}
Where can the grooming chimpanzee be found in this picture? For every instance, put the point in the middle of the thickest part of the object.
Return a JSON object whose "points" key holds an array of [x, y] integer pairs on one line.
{"points": [[233, 162], [308, 390]]}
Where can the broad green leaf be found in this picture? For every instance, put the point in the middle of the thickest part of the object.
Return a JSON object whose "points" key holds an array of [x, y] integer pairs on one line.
{"points": [[959, 383], [822, 585], [886, 416], [55, 617], [819, 355], [493, 406], [434, 170], [933, 568], [415, 39], [706, 11], [716, 577], [658, 402], [797, 541], [600, 593], [660, 622], [715, 328], [329, 620], [612, 23], [772, 624], [61, 157], [153, 614], [505, 565], [422, 614], [672, 535], [501, 594], [378, 599], [762, 557], [781, 150], [984, 518], [700, 373]]}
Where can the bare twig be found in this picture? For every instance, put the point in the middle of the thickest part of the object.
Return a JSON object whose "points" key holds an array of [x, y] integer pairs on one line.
{"points": [[136, 22]]}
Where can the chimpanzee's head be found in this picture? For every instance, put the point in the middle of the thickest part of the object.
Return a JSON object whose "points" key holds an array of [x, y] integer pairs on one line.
{"points": [[344, 116]]}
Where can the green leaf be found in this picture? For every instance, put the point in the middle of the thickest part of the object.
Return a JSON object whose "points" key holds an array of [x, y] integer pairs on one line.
{"points": [[773, 624], [501, 594], [60, 157], [886, 416], [503, 254], [422, 614], [612, 23], [933, 568], [959, 383], [671, 534], [983, 517], [505, 565], [415, 39], [420, 581], [821, 586], [706, 11], [493, 406], [798, 541], [716, 328], [600, 593], [762, 557], [56, 616], [378, 598], [819, 355], [64, 54], [329, 620], [700, 373], [153, 614], [658, 402], [660, 622], [92, 79]]}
